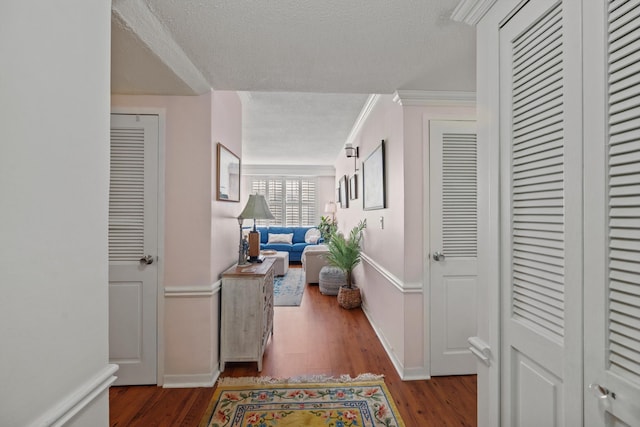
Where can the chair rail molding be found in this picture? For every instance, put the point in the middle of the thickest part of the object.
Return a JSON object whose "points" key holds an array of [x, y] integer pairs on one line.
{"points": [[471, 11], [79, 399], [422, 98], [193, 291], [405, 288]]}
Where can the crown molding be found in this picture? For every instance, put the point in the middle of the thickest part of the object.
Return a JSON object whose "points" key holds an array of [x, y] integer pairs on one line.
{"points": [[362, 118], [136, 16], [288, 170], [421, 98], [471, 11]]}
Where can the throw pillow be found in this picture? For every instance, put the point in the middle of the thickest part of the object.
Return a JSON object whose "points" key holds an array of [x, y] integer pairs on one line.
{"points": [[280, 238], [312, 236]]}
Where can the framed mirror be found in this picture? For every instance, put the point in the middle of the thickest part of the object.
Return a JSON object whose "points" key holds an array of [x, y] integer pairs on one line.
{"points": [[228, 183]]}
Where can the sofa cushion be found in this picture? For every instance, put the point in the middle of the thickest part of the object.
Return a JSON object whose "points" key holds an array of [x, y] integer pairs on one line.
{"points": [[299, 233], [284, 247], [298, 247], [312, 235], [280, 238]]}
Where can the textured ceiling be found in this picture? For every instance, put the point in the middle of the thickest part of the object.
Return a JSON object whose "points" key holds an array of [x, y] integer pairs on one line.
{"points": [[304, 52]]}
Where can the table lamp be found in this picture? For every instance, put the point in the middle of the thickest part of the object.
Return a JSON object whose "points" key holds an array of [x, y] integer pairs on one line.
{"points": [[256, 208]]}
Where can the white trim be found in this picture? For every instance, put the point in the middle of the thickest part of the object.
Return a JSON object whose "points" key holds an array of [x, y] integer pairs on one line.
{"points": [[471, 11], [191, 381], [288, 170], [405, 288], [162, 132], [79, 399], [193, 291], [405, 375], [425, 98], [135, 15], [362, 118]]}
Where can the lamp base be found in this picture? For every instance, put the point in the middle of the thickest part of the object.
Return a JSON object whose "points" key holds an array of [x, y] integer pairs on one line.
{"points": [[259, 259]]}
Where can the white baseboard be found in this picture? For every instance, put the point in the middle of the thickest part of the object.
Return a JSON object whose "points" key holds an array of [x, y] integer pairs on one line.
{"points": [[191, 381], [410, 374], [78, 400]]}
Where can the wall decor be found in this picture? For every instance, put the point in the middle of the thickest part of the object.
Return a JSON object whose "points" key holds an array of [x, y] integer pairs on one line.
{"points": [[344, 198], [228, 184], [353, 187], [373, 180]]}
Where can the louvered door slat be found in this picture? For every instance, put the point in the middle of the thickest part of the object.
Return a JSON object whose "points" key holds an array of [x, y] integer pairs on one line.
{"points": [[126, 195], [537, 163], [624, 189], [459, 195]]}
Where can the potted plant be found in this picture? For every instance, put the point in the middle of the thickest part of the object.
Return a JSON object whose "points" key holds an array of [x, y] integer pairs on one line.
{"points": [[327, 227], [344, 253]]}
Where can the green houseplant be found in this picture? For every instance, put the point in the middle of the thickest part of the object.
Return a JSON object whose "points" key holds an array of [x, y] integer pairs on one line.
{"points": [[344, 253], [327, 227]]}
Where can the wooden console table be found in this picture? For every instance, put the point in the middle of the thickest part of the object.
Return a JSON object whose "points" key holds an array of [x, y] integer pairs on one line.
{"points": [[246, 313]]}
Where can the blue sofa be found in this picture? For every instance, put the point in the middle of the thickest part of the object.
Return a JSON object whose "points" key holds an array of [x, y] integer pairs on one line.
{"points": [[295, 248]]}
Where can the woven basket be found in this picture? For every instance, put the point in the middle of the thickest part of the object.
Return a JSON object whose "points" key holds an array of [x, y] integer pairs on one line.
{"points": [[349, 298]]}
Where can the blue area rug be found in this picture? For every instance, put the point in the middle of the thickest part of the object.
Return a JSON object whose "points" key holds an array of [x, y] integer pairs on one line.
{"points": [[288, 289]]}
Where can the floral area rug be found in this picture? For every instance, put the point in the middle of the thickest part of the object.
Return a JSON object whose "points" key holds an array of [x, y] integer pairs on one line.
{"points": [[288, 289], [317, 401]]}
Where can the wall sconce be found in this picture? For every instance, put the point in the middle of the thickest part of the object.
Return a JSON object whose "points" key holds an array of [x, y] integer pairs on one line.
{"points": [[352, 152]]}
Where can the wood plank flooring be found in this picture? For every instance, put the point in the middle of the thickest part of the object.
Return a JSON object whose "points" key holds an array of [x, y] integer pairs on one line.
{"points": [[318, 337]]}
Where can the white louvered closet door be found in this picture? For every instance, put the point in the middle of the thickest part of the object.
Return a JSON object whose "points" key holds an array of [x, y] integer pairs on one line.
{"points": [[453, 238], [612, 216], [133, 247], [541, 215]]}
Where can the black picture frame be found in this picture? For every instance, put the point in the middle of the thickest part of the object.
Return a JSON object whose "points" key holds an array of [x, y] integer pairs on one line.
{"points": [[373, 180], [228, 174], [353, 187], [344, 192]]}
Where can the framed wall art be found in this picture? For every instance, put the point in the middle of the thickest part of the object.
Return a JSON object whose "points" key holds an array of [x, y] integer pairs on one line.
{"points": [[228, 183], [353, 187], [344, 197], [373, 180]]}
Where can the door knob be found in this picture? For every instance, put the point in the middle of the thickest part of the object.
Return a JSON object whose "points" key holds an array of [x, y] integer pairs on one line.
{"points": [[601, 392], [146, 260], [438, 256]]}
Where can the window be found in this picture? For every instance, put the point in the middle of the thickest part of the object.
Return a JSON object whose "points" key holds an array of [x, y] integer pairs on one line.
{"points": [[292, 200]]}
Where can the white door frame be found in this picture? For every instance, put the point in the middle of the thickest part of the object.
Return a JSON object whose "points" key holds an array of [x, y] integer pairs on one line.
{"points": [[426, 206], [161, 113]]}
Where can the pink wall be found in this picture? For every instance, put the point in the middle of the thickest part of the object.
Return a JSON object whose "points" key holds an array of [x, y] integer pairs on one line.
{"points": [[200, 232], [188, 165], [226, 128], [393, 276]]}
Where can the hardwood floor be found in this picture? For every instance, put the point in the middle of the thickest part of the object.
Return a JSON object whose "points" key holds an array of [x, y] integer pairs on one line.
{"points": [[318, 337]]}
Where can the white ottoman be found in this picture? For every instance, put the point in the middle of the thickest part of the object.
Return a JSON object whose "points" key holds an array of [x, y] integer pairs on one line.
{"points": [[281, 264]]}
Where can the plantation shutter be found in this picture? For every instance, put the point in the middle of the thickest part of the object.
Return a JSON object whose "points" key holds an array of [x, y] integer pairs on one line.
{"points": [[292, 201], [537, 162], [292, 205], [308, 202], [126, 195], [459, 195], [623, 291]]}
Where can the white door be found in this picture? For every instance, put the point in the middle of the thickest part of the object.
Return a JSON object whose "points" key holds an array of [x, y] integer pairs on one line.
{"points": [[612, 215], [133, 247], [541, 214], [453, 245]]}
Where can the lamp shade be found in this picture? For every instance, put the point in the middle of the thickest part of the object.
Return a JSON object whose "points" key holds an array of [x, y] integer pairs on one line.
{"points": [[330, 208], [256, 208]]}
